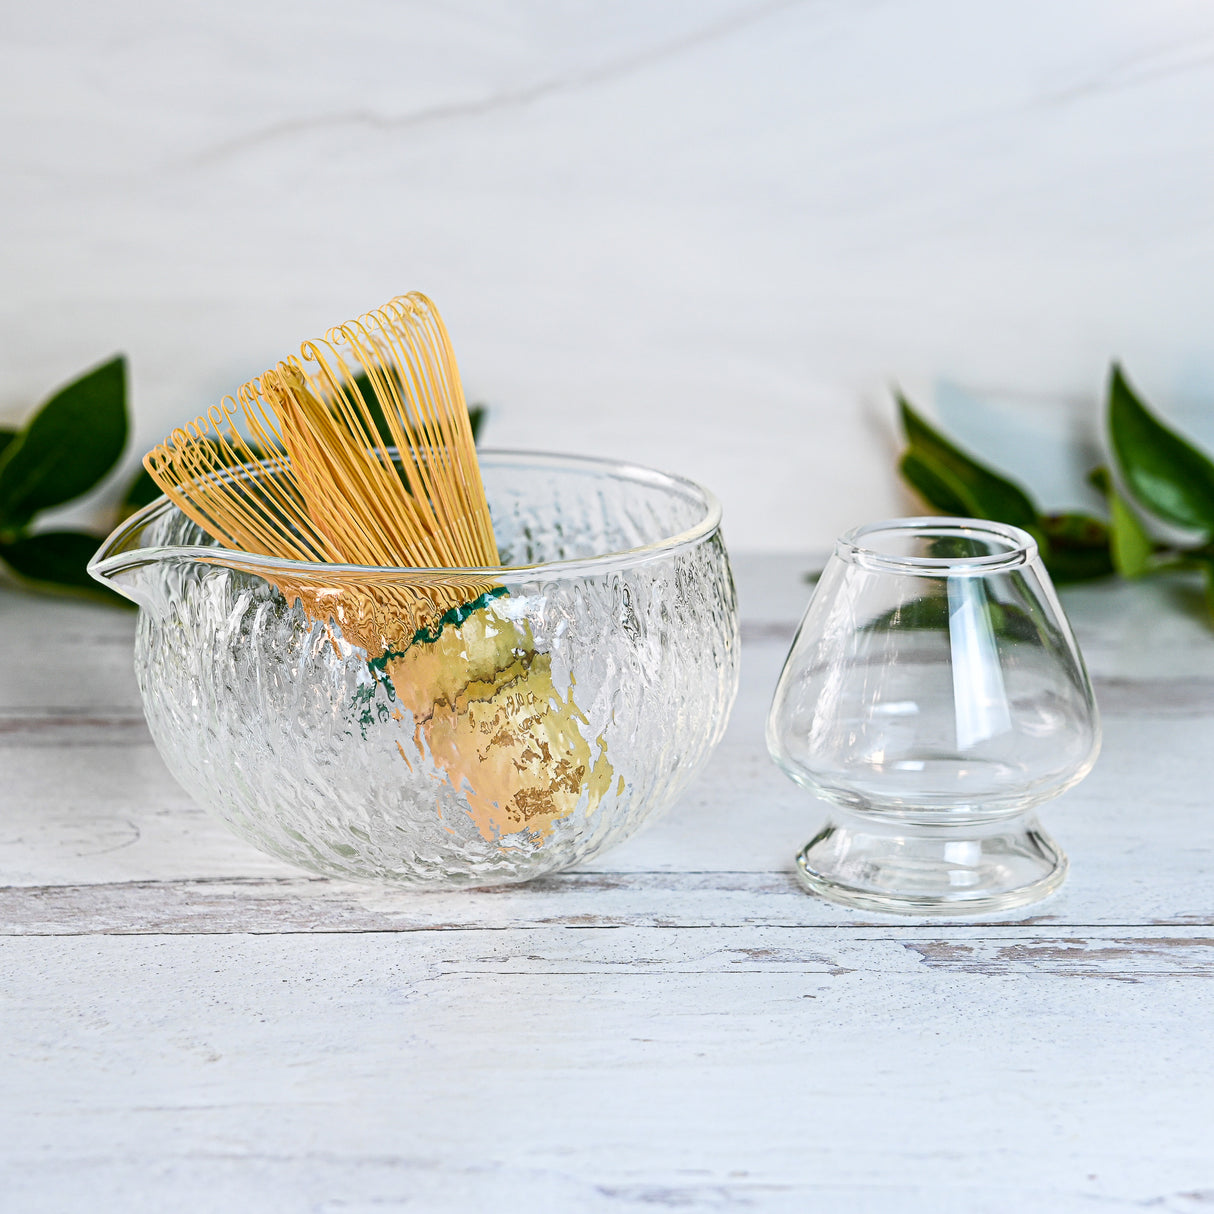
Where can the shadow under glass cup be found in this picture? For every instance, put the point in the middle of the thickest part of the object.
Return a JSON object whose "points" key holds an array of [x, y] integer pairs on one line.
{"points": [[935, 696]]}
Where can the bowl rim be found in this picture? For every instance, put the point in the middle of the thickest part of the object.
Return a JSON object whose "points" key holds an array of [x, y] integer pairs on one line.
{"points": [[114, 556]]}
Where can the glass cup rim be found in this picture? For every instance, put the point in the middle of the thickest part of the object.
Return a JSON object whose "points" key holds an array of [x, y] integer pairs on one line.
{"points": [[115, 554], [1021, 548]]}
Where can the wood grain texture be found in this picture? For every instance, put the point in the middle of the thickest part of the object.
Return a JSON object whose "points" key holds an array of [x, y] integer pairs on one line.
{"points": [[557, 1070], [186, 1024]]}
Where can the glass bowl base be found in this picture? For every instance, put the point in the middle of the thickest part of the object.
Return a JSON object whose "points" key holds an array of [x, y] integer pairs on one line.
{"points": [[941, 872]]}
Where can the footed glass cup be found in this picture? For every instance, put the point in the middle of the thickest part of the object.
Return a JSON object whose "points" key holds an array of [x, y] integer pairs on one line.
{"points": [[934, 695]]}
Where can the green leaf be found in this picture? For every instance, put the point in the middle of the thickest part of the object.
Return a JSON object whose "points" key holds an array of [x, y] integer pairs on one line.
{"points": [[935, 484], [931, 613], [476, 413], [73, 440], [983, 492], [1131, 546], [1078, 548], [57, 560], [476, 418], [363, 383], [142, 491], [1164, 472], [1074, 529], [1074, 546], [1132, 549], [1207, 569], [6, 437]]}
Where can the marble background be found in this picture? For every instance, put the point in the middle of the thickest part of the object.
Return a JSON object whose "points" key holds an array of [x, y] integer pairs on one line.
{"points": [[702, 234]]}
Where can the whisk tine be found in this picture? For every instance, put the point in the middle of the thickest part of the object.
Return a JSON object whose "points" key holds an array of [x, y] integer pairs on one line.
{"points": [[327, 488], [355, 459]]}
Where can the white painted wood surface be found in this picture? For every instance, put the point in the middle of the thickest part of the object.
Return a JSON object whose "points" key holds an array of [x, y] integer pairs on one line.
{"points": [[187, 1025]]}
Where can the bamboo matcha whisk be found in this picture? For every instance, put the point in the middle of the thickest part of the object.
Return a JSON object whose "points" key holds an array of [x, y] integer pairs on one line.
{"points": [[320, 426], [315, 481]]}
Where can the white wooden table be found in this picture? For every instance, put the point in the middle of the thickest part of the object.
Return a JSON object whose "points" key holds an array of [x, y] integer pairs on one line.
{"points": [[187, 1025]]}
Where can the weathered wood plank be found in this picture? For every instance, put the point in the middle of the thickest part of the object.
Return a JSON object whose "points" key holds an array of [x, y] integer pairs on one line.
{"points": [[562, 1070], [290, 905], [1135, 958], [1136, 832], [187, 1024], [62, 655], [30, 727]]}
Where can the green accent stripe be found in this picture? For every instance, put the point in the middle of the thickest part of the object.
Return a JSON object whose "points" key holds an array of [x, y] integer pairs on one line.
{"points": [[427, 636]]}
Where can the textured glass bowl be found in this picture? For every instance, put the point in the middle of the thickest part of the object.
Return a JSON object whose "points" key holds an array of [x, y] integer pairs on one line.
{"points": [[605, 657]]}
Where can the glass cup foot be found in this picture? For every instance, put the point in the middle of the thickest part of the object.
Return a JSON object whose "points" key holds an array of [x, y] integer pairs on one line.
{"points": [[935, 870]]}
